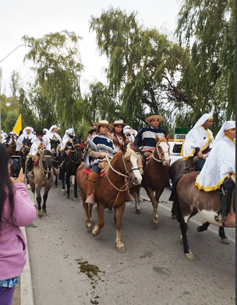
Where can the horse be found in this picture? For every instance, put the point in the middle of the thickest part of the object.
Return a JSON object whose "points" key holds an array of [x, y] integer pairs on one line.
{"points": [[42, 177], [11, 146], [155, 177], [189, 200], [54, 149], [70, 165], [26, 145], [111, 190]]}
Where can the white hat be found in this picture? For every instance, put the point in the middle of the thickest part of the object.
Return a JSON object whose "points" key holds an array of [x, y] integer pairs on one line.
{"points": [[226, 126], [203, 119], [154, 116], [28, 127], [70, 131], [103, 122], [52, 127]]}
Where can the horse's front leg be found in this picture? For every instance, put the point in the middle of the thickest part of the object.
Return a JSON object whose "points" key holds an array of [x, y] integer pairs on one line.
{"points": [[62, 174], [75, 190], [38, 199], [46, 192], [119, 214], [68, 184], [88, 212], [136, 194], [155, 216], [100, 215]]}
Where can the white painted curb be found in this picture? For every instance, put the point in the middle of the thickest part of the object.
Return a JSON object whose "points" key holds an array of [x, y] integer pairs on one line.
{"points": [[26, 289]]}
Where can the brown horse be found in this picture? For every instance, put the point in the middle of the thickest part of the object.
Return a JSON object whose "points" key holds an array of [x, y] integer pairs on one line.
{"points": [[42, 177], [189, 201], [111, 190], [155, 177]]}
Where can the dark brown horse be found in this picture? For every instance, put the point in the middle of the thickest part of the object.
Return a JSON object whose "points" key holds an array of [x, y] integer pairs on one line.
{"points": [[111, 190], [155, 177], [189, 201], [11, 146]]}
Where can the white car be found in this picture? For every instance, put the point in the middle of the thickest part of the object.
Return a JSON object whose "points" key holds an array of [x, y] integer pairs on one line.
{"points": [[175, 149]]}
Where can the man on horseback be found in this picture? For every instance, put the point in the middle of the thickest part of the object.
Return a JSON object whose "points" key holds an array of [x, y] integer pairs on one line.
{"points": [[3, 136], [146, 137], [198, 142], [26, 134], [53, 133], [98, 147], [218, 172], [38, 144]]}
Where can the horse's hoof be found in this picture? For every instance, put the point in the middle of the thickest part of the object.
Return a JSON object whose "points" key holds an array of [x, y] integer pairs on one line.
{"points": [[68, 196], [190, 256], [181, 239], [95, 232], [89, 229], [28, 187], [45, 213], [63, 191], [225, 241], [138, 211], [173, 216], [40, 213], [121, 248], [155, 221]]}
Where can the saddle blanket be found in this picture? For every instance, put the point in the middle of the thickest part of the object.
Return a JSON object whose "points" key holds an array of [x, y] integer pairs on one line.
{"points": [[87, 171]]}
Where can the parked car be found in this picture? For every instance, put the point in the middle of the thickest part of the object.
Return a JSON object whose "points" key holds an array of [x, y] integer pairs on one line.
{"points": [[175, 149]]}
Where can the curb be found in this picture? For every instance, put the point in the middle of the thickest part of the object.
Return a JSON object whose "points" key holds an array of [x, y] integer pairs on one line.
{"points": [[26, 288]]}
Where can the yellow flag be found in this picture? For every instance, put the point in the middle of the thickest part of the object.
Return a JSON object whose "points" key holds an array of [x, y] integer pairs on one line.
{"points": [[17, 128]]}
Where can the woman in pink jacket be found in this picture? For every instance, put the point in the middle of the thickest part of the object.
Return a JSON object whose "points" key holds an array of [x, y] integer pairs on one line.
{"points": [[16, 210]]}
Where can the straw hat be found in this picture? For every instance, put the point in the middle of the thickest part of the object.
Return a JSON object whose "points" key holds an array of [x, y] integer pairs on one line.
{"points": [[119, 122], [103, 122], [154, 116]]}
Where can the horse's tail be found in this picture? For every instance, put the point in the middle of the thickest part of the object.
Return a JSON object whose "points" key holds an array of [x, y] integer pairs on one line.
{"points": [[176, 205]]}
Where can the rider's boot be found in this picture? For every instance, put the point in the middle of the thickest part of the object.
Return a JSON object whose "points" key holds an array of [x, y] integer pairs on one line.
{"points": [[226, 216], [92, 178]]}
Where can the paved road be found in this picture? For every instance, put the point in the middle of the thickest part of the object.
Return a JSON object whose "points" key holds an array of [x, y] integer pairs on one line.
{"points": [[153, 270]]}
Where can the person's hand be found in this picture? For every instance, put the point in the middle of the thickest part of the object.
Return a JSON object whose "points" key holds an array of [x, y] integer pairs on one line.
{"points": [[200, 155], [20, 178], [102, 155]]}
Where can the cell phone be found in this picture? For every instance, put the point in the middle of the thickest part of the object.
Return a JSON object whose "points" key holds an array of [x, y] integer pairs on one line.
{"points": [[15, 166]]}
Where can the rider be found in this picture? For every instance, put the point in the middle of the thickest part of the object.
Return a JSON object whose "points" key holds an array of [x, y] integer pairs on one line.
{"points": [[3, 136], [218, 170], [26, 134], [66, 143], [39, 143], [146, 137], [130, 134], [198, 141], [117, 134], [53, 133], [98, 146]]}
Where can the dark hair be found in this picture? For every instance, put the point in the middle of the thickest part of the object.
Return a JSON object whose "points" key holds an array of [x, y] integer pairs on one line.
{"points": [[122, 133], [5, 182]]}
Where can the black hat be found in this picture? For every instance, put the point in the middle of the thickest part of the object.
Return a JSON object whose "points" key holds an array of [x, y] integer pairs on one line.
{"points": [[39, 132]]}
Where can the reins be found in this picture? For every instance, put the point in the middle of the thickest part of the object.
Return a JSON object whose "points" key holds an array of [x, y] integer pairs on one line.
{"points": [[159, 155]]}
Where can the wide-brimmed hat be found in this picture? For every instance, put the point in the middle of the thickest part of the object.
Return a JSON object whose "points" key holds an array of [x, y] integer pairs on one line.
{"points": [[119, 122], [154, 116], [103, 122]]}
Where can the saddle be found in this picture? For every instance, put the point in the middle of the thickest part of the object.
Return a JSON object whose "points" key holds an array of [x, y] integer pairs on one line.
{"points": [[87, 171]]}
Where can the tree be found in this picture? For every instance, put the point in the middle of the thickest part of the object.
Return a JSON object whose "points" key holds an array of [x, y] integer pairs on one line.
{"points": [[142, 65], [14, 84], [207, 28], [58, 66]]}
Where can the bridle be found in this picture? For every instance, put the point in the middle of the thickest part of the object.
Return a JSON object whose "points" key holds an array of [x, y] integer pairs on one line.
{"points": [[45, 171], [76, 152], [159, 154]]}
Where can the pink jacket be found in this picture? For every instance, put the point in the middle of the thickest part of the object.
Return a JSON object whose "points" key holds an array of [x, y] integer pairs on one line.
{"points": [[12, 241]]}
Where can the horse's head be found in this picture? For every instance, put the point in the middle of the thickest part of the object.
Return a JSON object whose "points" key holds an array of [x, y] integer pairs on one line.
{"points": [[162, 151], [131, 165], [54, 144], [26, 144], [47, 162], [76, 141]]}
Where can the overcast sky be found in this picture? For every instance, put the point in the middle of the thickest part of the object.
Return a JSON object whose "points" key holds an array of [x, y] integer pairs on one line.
{"points": [[38, 18]]}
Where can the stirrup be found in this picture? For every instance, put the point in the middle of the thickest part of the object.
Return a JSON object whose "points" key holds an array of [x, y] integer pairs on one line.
{"points": [[90, 199]]}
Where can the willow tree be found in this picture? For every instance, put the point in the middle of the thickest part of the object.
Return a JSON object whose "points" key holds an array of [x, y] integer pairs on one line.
{"points": [[207, 28], [58, 66], [142, 65]]}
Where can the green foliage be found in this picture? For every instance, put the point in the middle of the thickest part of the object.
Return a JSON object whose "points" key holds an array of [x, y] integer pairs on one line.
{"points": [[9, 112], [57, 64]]}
